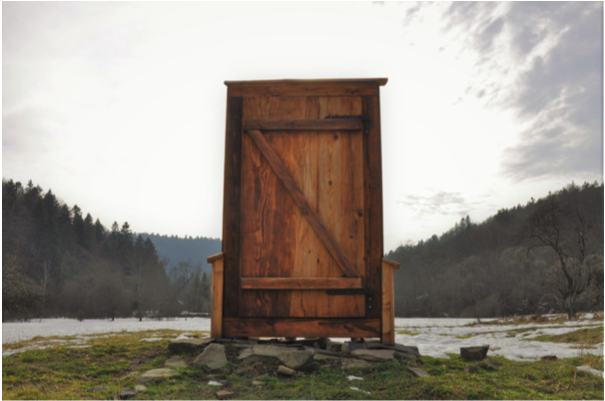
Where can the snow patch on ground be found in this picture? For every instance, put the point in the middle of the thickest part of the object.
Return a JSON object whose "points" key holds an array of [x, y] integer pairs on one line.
{"points": [[436, 337], [22, 331], [439, 337], [590, 370]]}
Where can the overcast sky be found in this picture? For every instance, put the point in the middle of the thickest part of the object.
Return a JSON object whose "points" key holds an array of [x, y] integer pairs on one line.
{"points": [[120, 107]]}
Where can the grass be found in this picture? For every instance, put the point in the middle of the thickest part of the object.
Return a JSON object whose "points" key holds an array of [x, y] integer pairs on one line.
{"points": [[407, 332], [115, 361], [584, 337]]}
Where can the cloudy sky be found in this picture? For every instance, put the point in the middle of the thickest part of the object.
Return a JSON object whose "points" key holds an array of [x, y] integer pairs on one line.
{"points": [[120, 107]]}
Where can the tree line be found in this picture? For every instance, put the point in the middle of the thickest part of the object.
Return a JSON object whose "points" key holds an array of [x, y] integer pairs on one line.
{"points": [[545, 256], [58, 262]]}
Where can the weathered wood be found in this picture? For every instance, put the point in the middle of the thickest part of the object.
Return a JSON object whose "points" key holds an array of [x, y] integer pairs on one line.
{"points": [[273, 82], [340, 192], [373, 201], [335, 166], [392, 263], [388, 302], [248, 89], [305, 125], [267, 327], [231, 203], [299, 199], [216, 322], [271, 221], [293, 283], [212, 258]]}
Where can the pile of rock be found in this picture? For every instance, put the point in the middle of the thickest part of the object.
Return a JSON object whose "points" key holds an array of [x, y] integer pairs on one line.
{"points": [[287, 356], [295, 355]]}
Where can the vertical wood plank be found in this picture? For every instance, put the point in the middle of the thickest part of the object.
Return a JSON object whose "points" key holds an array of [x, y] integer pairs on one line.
{"points": [[341, 202], [231, 204], [216, 322], [373, 176], [270, 219], [388, 305]]}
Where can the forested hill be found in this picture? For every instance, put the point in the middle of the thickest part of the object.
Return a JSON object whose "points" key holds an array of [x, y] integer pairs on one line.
{"points": [[544, 256], [175, 249], [58, 260]]}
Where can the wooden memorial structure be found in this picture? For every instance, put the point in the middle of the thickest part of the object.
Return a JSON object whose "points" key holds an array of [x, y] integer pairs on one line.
{"points": [[302, 215]]}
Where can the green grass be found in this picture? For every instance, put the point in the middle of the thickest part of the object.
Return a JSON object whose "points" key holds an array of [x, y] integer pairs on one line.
{"points": [[583, 337], [115, 362], [407, 332]]}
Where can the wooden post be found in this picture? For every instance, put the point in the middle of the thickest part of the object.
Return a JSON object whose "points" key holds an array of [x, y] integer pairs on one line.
{"points": [[216, 317], [388, 301]]}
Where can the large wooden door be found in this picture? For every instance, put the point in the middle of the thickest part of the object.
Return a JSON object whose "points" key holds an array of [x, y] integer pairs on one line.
{"points": [[302, 208], [302, 232]]}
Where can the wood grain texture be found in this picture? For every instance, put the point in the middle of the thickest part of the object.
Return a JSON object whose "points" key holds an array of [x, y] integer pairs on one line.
{"points": [[285, 89], [341, 192], [299, 199], [270, 219], [388, 304], [212, 258], [305, 125], [299, 283], [231, 204], [216, 322], [292, 247], [373, 199], [301, 327]]}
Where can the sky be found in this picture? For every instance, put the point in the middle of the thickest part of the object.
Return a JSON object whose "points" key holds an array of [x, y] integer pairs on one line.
{"points": [[120, 107]]}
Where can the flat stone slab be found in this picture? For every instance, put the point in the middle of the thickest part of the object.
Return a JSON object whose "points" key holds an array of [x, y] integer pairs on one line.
{"points": [[224, 394], [419, 372], [291, 357], [268, 350], [213, 357], [412, 350], [188, 344], [296, 359], [98, 388], [488, 364], [351, 363], [127, 393], [323, 357], [374, 355], [155, 375], [474, 353], [176, 362], [286, 371]]}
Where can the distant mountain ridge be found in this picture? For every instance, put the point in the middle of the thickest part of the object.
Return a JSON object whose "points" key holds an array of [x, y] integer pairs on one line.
{"points": [[177, 249]]}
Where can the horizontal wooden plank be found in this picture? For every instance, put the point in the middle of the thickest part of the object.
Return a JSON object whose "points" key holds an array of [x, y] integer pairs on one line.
{"points": [[305, 125], [301, 202], [279, 89], [377, 81], [301, 283], [215, 257], [391, 263], [273, 327]]}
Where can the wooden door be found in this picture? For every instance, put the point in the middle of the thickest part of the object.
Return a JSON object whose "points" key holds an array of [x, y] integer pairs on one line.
{"points": [[302, 208], [302, 228]]}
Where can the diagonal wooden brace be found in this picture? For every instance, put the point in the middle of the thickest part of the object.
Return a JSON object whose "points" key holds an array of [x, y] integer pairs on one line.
{"points": [[301, 202]]}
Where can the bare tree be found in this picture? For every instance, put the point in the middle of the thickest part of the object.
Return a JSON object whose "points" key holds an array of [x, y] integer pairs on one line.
{"points": [[564, 229], [44, 278]]}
